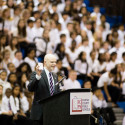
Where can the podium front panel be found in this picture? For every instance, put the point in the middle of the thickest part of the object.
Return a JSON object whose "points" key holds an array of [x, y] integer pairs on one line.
{"points": [[56, 110]]}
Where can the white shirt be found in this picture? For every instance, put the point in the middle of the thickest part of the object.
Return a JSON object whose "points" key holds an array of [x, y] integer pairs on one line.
{"points": [[12, 52], [17, 62], [104, 79], [121, 35], [69, 84], [14, 103], [54, 36], [86, 49], [37, 32], [99, 67], [97, 15], [40, 45], [31, 62], [81, 67], [72, 55], [123, 123], [8, 24], [24, 104], [5, 104], [111, 65], [96, 103], [29, 33], [92, 64], [119, 52], [5, 85]]}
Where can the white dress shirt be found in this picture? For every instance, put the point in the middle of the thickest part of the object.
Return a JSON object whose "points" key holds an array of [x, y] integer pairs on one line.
{"points": [[72, 55], [86, 49], [92, 64], [69, 84], [81, 67], [119, 52], [123, 123], [99, 67], [5, 85], [104, 79], [29, 34], [37, 32], [111, 65], [31, 62], [17, 62], [96, 103], [5, 104], [40, 46], [12, 52], [24, 104], [14, 103]]}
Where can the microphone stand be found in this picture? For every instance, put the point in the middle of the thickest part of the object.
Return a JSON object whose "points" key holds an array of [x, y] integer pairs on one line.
{"points": [[60, 82]]}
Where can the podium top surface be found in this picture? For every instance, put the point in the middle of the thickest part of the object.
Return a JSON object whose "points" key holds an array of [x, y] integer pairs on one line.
{"points": [[66, 91]]}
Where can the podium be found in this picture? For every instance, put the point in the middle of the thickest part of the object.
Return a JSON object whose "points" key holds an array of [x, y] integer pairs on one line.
{"points": [[70, 107]]}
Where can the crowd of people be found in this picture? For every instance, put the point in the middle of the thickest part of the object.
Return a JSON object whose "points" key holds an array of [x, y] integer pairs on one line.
{"points": [[85, 45]]}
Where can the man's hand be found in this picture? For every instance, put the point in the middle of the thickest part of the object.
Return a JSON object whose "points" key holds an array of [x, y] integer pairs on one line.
{"points": [[38, 71]]}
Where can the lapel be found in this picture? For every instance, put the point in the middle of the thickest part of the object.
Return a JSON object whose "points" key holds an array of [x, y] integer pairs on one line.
{"points": [[45, 79]]}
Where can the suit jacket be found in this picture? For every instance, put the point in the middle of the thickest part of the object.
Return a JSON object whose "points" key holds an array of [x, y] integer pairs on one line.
{"points": [[41, 91]]}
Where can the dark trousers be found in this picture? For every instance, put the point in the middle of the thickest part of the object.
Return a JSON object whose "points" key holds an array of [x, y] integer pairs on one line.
{"points": [[21, 120], [104, 116], [115, 93], [37, 122], [6, 120], [108, 114]]}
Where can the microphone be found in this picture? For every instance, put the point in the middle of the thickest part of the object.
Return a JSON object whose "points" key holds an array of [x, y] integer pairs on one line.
{"points": [[64, 77]]}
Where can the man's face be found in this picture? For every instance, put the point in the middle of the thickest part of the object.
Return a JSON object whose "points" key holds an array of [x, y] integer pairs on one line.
{"points": [[8, 93], [19, 56], [3, 76], [50, 63], [12, 67], [73, 76]]}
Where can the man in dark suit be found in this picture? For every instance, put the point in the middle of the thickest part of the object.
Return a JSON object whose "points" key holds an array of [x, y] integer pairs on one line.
{"points": [[42, 83]]}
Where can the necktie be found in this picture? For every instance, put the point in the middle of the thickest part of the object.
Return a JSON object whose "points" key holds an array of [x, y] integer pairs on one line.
{"points": [[9, 105], [51, 84]]}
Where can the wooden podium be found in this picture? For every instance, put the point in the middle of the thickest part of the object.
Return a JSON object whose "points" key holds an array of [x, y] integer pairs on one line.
{"points": [[60, 109]]}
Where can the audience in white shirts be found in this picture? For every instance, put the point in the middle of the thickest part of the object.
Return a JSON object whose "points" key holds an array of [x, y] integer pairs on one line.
{"points": [[64, 28]]}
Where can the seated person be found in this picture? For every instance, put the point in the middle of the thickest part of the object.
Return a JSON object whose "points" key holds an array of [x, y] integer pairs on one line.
{"points": [[71, 82], [100, 105], [105, 82]]}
